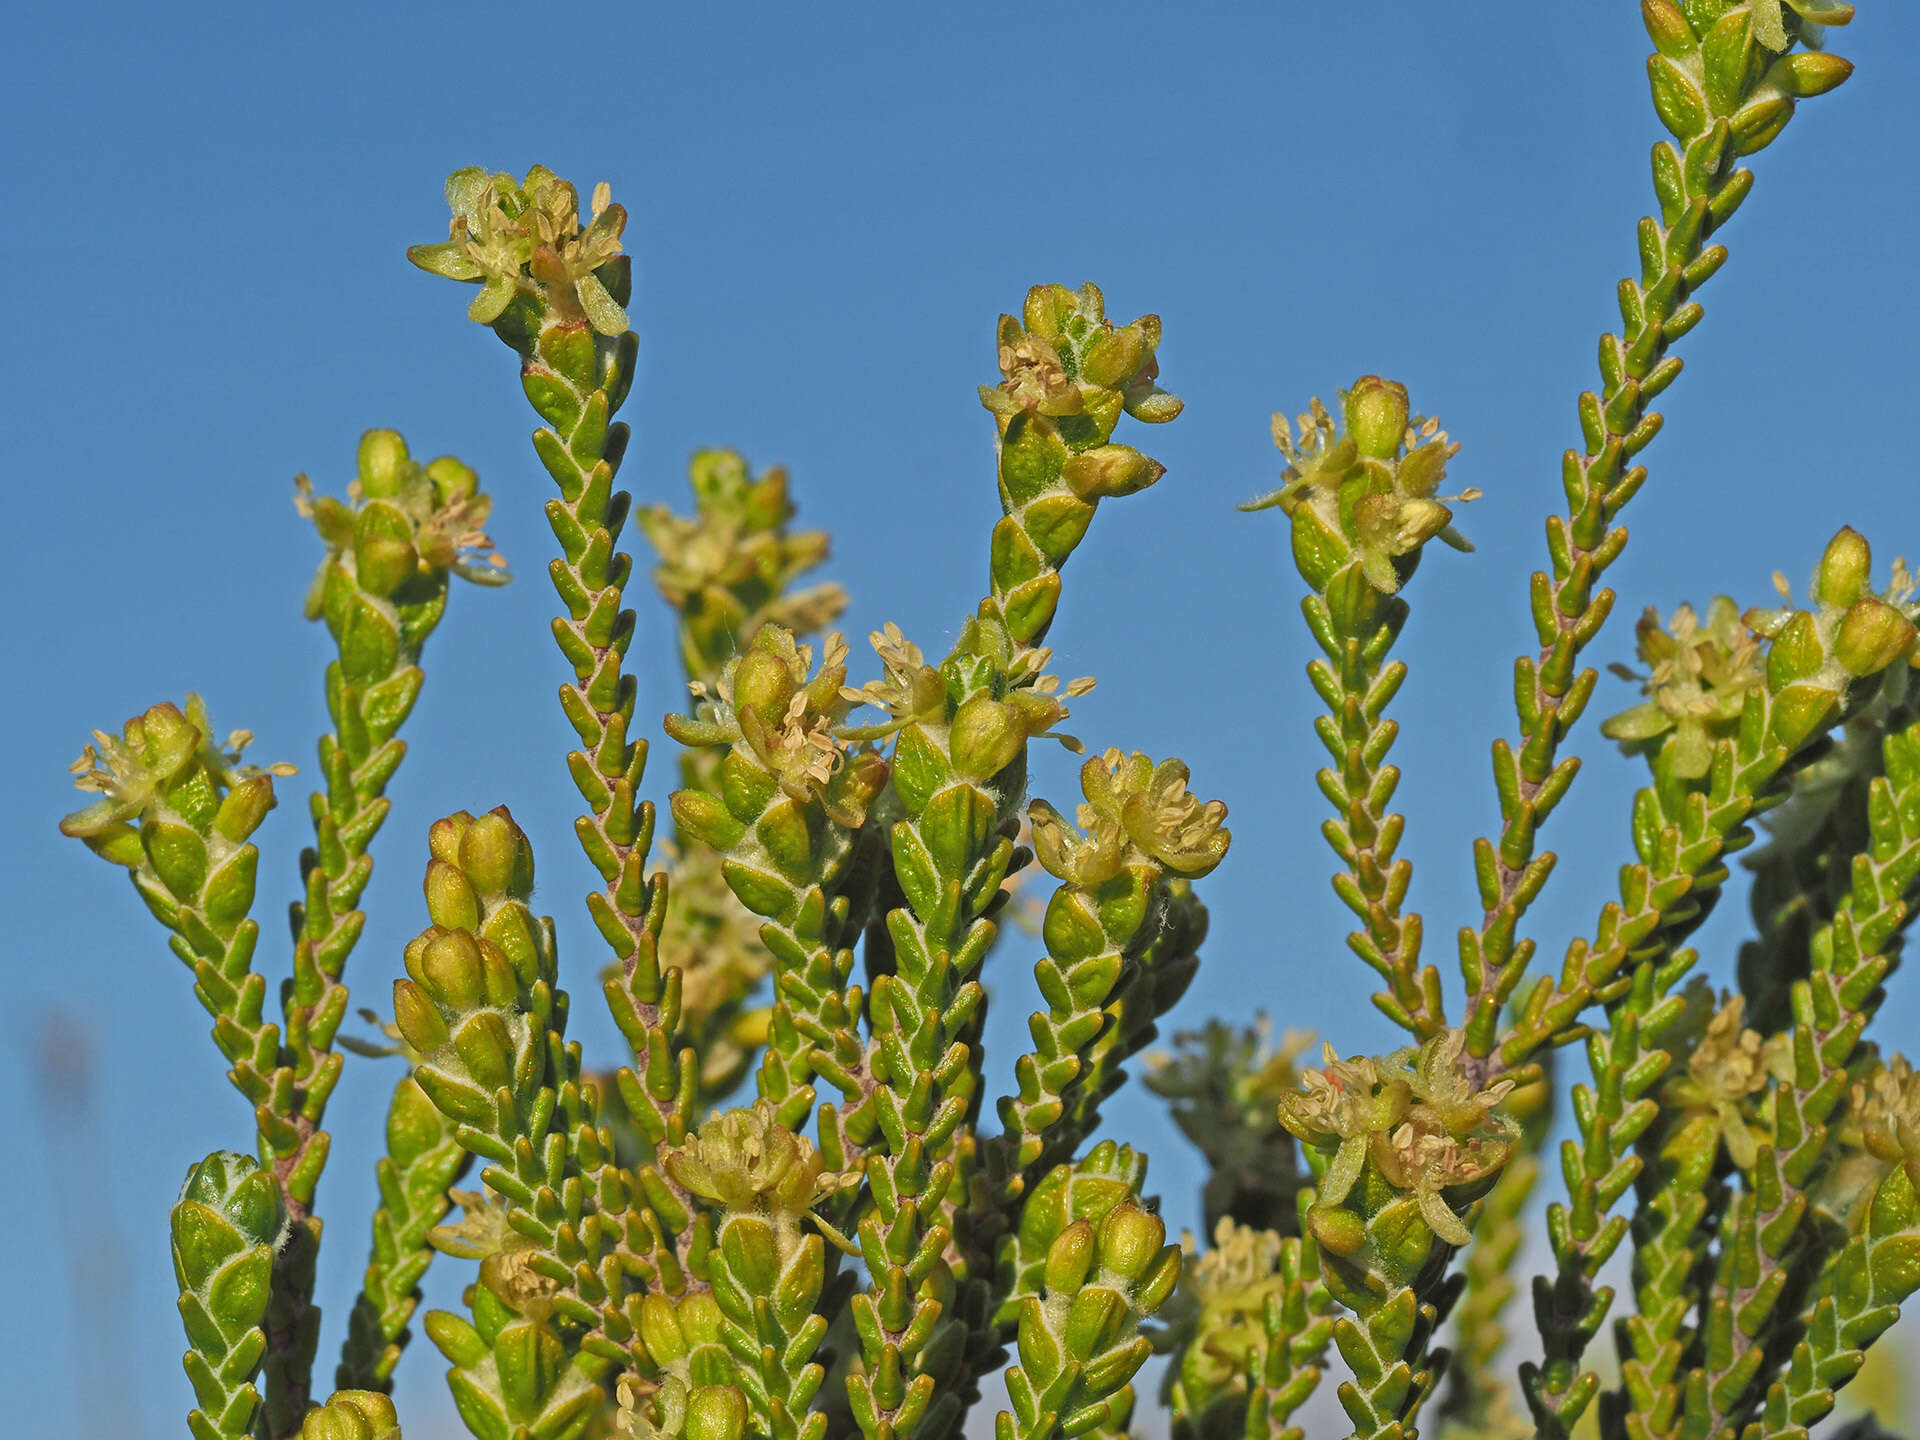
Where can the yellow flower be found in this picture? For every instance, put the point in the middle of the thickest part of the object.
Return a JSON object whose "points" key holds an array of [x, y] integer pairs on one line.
{"points": [[1698, 676], [1415, 1116], [1727, 1067], [748, 1162]]}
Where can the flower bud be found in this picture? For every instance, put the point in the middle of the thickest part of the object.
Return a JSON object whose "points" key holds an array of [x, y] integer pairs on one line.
{"points": [[1046, 310], [443, 836], [1115, 356], [1796, 652], [1423, 468], [234, 1185], [382, 564], [1070, 1257], [1130, 1239], [452, 480], [1668, 29], [700, 1319], [451, 902], [1110, 470], [485, 1047], [1812, 72], [451, 970], [1872, 635], [417, 1017], [1337, 1231], [352, 1415], [753, 1257], [165, 739], [383, 463], [763, 684], [245, 807], [496, 856], [1845, 569], [715, 1412], [1377, 414], [986, 736], [1802, 711], [660, 1330]]}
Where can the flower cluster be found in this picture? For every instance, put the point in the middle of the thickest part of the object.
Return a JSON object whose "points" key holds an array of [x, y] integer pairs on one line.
{"points": [[774, 702], [728, 569], [1220, 1319], [517, 238], [1065, 358], [745, 1161], [162, 756], [1698, 675], [401, 520], [1133, 809], [1365, 491], [1728, 1065], [1415, 1119]]}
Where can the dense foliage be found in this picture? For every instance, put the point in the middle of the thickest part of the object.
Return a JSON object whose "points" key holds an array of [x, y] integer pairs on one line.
{"points": [[861, 1241]]}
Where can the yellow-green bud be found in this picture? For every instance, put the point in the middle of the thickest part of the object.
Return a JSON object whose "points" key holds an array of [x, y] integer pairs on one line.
{"points": [[352, 1415], [245, 807], [700, 1319], [1130, 1239], [451, 969], [1377, 412], [1668, 29], [1046, 310], [1812, 72], [1109, 471], [1115, 356], [496, 856], [235, 1186], [1070, 1257], [715, 1412], [417, 1016], [660, 1330], [752, 1253], [452, 480], [1802, 711], [451, 902], [382, 563], [1796, 652], [485, 1047], [763, 684], [443, 836], [167, 739], [1422, 469], [383, 463], [1337, 1231], [986, 736], [1845, 569], [1872, 635]]}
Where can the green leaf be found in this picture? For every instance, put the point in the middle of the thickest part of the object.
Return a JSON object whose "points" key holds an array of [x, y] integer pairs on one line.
{"points": [[493, 299], [605, 316]]}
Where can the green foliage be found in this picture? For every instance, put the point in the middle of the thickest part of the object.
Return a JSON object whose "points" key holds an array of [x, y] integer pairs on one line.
{"points": [[227, 1225], [856, 1247]]}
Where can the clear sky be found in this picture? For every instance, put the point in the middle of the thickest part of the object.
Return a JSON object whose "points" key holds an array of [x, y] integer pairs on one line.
{"points": [[830, 205]]}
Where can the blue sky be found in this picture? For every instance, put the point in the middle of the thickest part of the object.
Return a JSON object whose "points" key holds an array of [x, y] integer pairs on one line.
{"points": [[830, 205]]}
